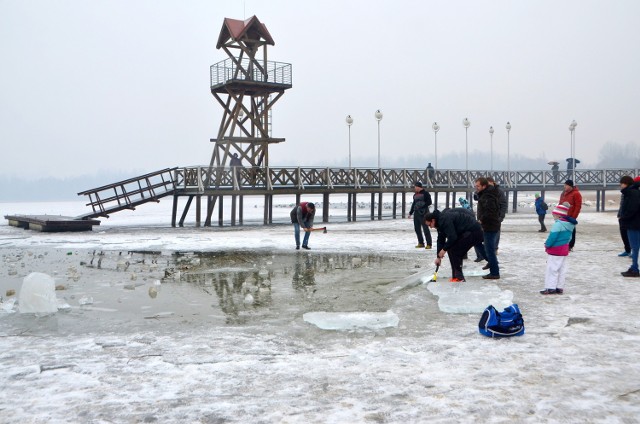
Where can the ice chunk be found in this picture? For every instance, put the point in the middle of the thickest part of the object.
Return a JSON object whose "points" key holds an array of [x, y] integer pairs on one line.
{"points": [[7, 306], [470, 296], [352, 320], [38, 294]]}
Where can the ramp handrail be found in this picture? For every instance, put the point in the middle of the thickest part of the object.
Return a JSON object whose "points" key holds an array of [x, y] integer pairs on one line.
{"points": [[129, 193]]}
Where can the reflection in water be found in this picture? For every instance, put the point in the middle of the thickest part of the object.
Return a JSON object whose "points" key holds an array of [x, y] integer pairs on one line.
{"points": [[304, 273], [243, 287]]}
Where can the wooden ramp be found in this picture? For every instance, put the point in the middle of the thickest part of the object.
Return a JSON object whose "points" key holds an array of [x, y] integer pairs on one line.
{"points": [[51, 223], [129, 193]]}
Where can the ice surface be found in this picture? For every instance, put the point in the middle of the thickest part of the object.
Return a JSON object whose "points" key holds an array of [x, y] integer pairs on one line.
{"points": [[352, 320], [192, 365], [38, 294]]}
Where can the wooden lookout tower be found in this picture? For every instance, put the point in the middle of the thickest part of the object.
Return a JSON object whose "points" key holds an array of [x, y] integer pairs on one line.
{"points": [[246, 85]]}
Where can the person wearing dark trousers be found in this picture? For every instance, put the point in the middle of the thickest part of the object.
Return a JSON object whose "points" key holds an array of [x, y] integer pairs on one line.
{"points": [[458, 231], [572, 195], [419, 208], [489, 219], [504, 206], [623, 228], [302, 217], [542, 212], [630, 216]]}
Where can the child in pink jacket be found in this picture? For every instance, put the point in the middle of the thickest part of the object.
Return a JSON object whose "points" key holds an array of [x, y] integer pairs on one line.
{"points": [[557, 248]]}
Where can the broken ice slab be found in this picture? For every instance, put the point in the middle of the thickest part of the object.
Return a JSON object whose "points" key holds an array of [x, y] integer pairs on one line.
{"points": [[352, 320], [469, 296]]}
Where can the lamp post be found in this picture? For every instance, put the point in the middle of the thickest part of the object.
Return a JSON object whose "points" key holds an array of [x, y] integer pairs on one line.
{"points": [[572, 129], [491, 134], [508, 127], [466, 124], [349, 122], [378, 116], [435, 128]]}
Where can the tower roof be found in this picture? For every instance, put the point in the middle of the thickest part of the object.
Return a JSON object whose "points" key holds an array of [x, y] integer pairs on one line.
{"points": [[248, 30]]}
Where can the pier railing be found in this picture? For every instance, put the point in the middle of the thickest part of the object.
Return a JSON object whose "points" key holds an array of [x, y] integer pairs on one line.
{"points": [[201, 178]]}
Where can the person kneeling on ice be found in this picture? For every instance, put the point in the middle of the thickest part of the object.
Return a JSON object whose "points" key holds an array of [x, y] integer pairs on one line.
{"points": [[302, 216], [557, 248], [458, 231]]}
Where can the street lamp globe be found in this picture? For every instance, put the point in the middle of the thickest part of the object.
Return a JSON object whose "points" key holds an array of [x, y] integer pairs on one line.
{"points": [[349, 120]]}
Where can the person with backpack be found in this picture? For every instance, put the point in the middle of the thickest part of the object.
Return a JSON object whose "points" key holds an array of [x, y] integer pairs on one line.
{"points": [[557, 248], [419, 208], [541, 210], [302, 216], [458, 231]]}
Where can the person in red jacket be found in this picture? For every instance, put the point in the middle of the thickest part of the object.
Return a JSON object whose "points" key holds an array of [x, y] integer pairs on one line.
{"points": [[302, 217], [572, 195]]}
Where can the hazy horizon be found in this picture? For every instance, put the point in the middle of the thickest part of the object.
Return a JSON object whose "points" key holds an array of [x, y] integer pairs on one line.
{"points": [[124, 86]]}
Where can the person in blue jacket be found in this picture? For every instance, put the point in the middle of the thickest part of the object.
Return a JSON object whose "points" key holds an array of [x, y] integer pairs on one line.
{"points": [[541, 211]]}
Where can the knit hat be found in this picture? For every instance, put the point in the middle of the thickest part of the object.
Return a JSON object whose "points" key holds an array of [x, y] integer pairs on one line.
{"points": [[561, 210], [636, 179], [418, 184], [311, 205], [569, 183], [537, 195]]}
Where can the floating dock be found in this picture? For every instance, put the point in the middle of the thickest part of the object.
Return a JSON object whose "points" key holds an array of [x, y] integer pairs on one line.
{"points": [[51, 223]]}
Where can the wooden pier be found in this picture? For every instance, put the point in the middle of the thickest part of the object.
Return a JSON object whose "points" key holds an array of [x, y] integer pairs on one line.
{"points": [[51, 223]]}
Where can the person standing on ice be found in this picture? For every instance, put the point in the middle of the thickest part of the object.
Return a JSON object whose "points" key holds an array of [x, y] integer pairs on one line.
{"points": [[557, 248], [630, 217], [541, 211], [458, 231], [504, 206], [419, 208], [572, 196], [489, 219], [302, 217]]}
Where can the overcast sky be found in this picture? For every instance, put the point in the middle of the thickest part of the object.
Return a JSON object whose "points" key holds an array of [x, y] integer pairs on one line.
{"points": [[123, 86]]}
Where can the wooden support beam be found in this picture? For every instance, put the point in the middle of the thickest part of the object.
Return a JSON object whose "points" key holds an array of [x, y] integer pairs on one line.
{"points": [[380, 206], [395, 199], [354, 207], [241, 214], [198, 210], [325, 207], [221, 211], [174, 211], [373, 206], [233, 210], [186, 209]]}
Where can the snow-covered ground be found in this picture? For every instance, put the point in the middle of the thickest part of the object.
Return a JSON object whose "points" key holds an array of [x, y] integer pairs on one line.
{"points": [[158, 326]]}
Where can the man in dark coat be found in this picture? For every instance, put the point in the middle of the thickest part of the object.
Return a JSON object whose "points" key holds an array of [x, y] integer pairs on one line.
{"points": [[458, 230], [419, 208], [504, 206], [489, 219], [630, 217], [302, 216]]}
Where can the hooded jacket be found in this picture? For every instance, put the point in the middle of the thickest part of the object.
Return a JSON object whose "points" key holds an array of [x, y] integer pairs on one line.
{"points": [[557, 243], [421, 203]]}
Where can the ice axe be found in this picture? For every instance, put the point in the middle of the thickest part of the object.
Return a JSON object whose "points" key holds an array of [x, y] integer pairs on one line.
{"points": [[324, 229]]}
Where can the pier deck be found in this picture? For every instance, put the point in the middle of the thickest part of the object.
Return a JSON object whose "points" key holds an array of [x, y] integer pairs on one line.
{"points": [[51, 223]]}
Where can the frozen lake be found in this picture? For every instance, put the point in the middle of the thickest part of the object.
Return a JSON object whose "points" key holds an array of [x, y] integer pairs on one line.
{"points": [[208, 325]]}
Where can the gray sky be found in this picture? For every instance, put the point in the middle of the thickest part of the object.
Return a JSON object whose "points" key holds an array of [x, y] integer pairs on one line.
{"points": [[123, 86]]}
